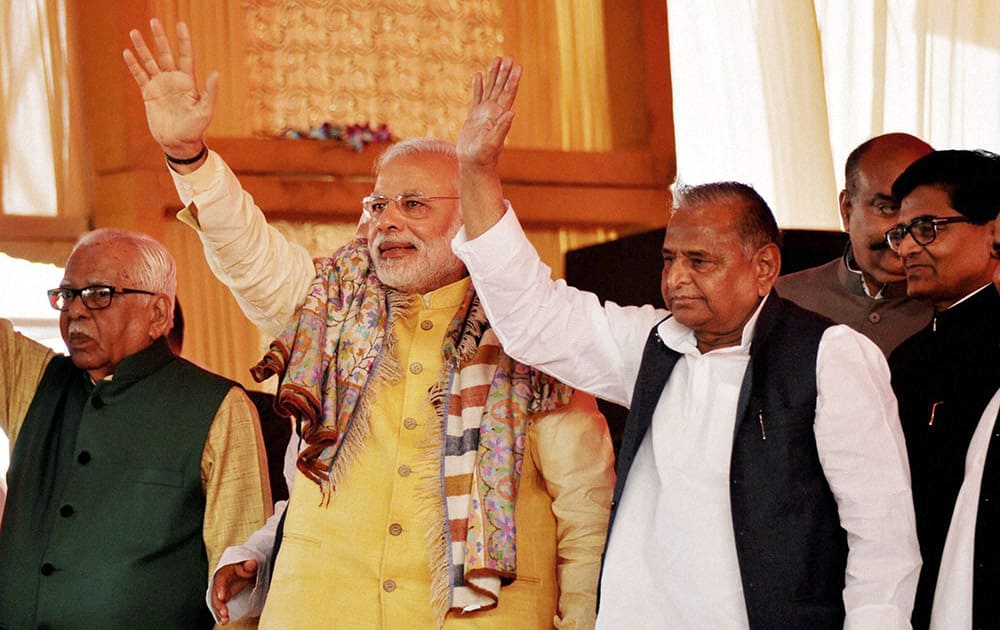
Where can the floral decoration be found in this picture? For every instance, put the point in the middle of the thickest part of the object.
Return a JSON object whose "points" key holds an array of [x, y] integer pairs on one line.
{"points": [[356, 137]]}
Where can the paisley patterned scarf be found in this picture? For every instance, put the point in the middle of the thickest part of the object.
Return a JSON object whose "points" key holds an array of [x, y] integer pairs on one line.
{"points": [[334, 355]]}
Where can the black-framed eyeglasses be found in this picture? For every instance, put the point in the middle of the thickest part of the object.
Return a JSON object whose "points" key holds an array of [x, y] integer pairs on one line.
{"points": [[410, 206], [923, 230], [94, 297]]}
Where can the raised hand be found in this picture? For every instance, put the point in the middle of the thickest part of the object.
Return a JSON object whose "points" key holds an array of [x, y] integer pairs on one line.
{"points": [[177, 112], [481, 138], [228, 582]]}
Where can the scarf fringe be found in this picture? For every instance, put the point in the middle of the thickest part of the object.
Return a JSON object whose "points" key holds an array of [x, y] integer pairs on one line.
{"points": [[387, 372], [431, 495]]}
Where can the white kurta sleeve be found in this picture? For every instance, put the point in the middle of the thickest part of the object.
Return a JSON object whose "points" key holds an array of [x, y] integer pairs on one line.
{"points": [[260, 547], [250, 602], [560, 330], [863, 454]]}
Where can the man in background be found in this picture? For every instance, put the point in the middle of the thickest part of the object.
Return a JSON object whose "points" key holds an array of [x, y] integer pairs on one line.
{"points": [[131, 469], [865, 288], [945, 375]]}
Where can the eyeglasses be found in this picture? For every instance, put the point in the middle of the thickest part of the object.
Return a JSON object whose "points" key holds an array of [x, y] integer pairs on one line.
{"points": [[410, 206], [923, 230], [95, 297]]}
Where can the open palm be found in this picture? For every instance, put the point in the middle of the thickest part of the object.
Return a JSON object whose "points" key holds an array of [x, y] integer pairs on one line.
{"points": [[177, 112], [481, 138]]}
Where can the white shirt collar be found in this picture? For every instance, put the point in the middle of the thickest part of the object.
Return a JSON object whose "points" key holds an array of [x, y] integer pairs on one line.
{"points": [[679, 337], [968, 296]]}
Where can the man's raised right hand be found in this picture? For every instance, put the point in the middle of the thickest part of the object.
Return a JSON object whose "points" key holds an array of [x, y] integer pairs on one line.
{"points": [[177, 112]]}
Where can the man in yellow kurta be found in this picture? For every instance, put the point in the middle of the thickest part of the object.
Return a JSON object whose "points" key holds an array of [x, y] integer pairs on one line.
{"points": [[420, 436]]}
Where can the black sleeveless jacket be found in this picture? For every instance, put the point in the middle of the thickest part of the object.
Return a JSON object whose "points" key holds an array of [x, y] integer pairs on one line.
{"points": [[791, 549]]}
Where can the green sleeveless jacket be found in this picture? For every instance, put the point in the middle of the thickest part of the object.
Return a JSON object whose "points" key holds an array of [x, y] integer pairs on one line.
{"points": [[103, 524]]}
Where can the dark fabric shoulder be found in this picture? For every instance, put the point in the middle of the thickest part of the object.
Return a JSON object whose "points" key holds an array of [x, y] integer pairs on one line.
{"points": [[904, 352], [780, 315], [811, 286], [187, 368]]}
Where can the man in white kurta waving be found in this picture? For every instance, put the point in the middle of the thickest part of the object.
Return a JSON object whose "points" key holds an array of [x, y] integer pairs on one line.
{"points": [[762, 478]]}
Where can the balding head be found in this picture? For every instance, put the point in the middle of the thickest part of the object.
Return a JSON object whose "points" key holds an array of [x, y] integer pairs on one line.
{"points": [[867, 206]]}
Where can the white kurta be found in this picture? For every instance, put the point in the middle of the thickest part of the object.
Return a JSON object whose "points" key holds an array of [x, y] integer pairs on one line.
{"points": [[953, 595], [680, 476]]}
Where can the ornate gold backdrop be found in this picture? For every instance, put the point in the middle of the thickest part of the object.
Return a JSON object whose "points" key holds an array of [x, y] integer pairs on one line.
{"points": [[406, 63]]}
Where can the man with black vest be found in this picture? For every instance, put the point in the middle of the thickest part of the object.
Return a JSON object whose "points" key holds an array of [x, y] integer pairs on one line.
{"points": [[945, 375], [762, 479], [131, 469]]}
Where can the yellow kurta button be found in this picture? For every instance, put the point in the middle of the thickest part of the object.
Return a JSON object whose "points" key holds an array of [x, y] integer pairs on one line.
{"points": [[395, 529], [389, 586], [426, 324], [410, 423], [416, 368], [404, 471]]}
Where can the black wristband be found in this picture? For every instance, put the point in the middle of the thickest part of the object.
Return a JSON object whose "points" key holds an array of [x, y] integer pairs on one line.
{"points": [[201, 154]]}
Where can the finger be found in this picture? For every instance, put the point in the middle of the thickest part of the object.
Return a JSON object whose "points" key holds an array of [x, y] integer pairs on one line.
{"points": [[207, 103], [500, 130], [491, 76], [142, 52], [477, 88], [500, 79], [509, 91], [185, 52], [135, 68], [163, 52]]}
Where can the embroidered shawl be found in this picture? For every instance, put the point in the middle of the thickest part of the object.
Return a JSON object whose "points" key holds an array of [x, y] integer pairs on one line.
{"points": [[338, 351]]}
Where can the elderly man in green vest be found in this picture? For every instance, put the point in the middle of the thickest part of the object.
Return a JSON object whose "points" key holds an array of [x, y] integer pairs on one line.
{"points": [[131, 468]]}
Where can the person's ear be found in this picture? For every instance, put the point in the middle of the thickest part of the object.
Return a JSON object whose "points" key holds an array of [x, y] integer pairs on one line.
{"points": [[767, 264], [846, 207], [159, 316]]}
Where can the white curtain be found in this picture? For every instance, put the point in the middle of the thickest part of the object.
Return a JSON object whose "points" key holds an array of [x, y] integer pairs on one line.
{"points": [[35, 145], [776, 93]]}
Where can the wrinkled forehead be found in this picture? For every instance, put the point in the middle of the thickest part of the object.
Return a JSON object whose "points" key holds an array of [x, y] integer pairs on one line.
{"points": [[427, 174], [705, 223], [103, 263]]}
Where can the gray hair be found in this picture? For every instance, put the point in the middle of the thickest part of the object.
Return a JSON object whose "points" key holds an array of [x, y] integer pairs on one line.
{"points": [[154, 268], [415, 146], [755, 227]]}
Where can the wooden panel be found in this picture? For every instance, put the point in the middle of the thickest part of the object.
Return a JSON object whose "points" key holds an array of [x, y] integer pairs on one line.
{"points": [[30, 228]]}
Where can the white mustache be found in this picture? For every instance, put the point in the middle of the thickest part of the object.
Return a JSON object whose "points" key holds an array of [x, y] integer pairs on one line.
{"points": [[382, 239], [76, 328]]}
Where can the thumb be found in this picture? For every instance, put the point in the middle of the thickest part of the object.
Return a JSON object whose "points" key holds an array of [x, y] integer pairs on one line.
{"points": [[210, 94], [246, 569]]}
